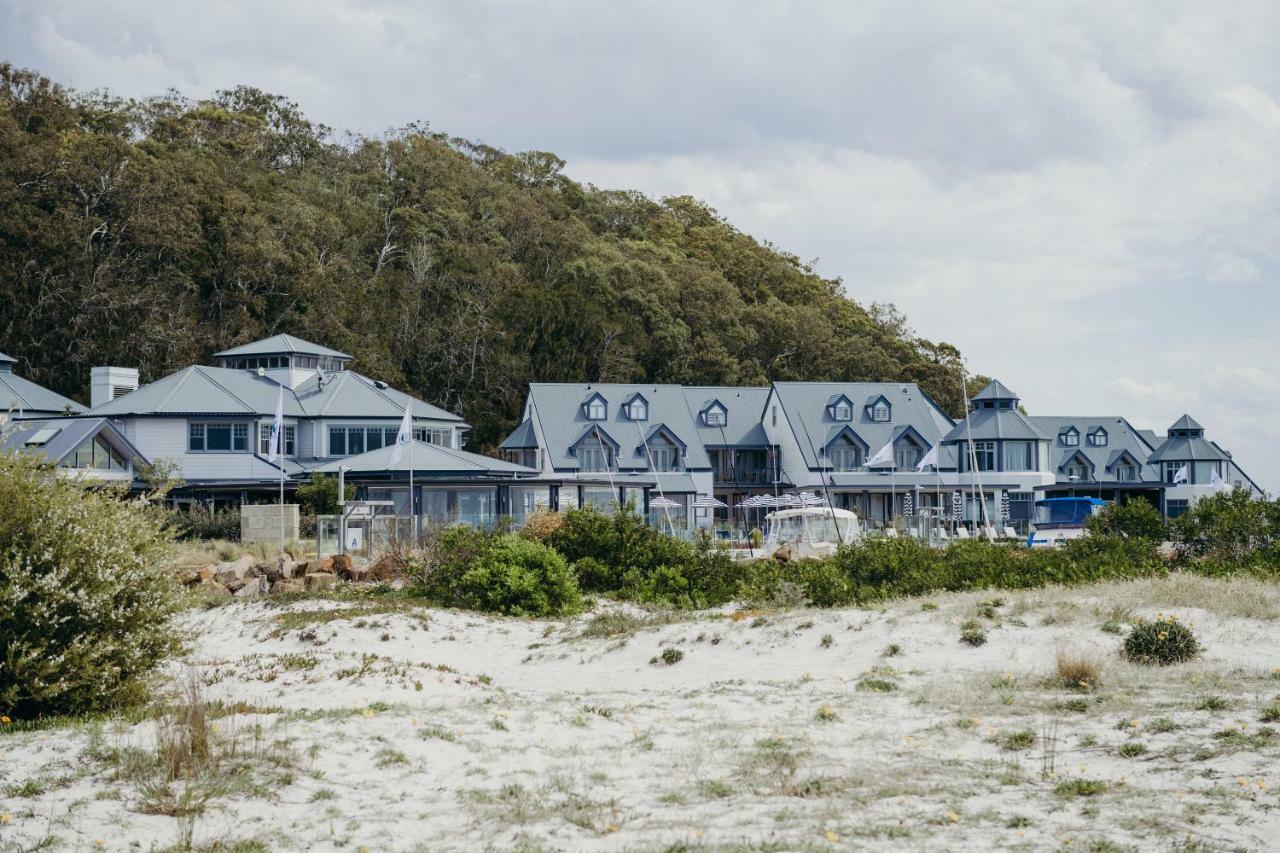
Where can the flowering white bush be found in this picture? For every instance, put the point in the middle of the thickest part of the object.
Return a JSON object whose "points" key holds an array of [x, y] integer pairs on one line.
{"points": [[85, 595]]}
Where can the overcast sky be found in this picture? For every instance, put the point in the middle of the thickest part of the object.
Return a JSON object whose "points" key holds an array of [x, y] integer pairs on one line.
{"points": [[1082, 198]]}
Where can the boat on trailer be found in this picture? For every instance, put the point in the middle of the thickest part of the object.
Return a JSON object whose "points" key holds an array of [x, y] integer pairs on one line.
{"points": [[1060, 519]]}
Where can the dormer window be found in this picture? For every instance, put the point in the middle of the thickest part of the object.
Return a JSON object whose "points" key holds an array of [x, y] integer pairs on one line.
{"points": [[715, 415], [596, 409], [637, 409], [1098, 437], [1070, 437], [843, 411], [880, 412]]}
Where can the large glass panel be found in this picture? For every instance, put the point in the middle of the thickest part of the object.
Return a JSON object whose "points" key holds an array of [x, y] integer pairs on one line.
{"points": [[217, 436], [435, 506], [593, 458], [355, 441], [1018, 456], [600, 497], [475, 506], [844, 458], [373, 438], [240, 437], [985, 453], [665, 457], [195, 438], [337, 441]]}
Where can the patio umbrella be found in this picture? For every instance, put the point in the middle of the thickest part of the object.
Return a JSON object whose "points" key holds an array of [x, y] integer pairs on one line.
{"points": [[788, 500], [1004, 506], [908, 504], [709, 502], [810, 499], [661, 502], [957, 506]]}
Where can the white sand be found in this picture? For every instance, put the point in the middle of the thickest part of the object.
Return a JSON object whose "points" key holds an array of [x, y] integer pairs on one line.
{"points": [[722, 750]]}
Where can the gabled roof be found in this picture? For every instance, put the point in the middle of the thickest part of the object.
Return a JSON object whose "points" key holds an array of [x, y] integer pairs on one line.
{"points": [[806, 409], [521, 438], [1122, 437], [843, 430], [995, 390], [67, 435], [31, 399], [595, 431], [430, 459], [1122, 455], [875, 398], [561, 419], [277, 344], [200, 390], [662, 429], [743, 408], [1074, 454]]}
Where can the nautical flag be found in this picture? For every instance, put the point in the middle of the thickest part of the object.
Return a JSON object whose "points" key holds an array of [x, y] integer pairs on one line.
{"points": [[276, 449], [1216, 482], [405, 435], [884, 456], [930, 458], [1183, 474]]}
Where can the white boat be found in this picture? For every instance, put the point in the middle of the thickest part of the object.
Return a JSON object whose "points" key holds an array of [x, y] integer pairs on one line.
{"points": [[811, 532]]}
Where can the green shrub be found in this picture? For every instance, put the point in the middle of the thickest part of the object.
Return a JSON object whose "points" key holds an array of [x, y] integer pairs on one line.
{"points": [[1229, 531], [1133, 519], [519, 577], [973, 634], [199, 521], [497, 573], [85, 593], [1161, 643], [319, 496]]}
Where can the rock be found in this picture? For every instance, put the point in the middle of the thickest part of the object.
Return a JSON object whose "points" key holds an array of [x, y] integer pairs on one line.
{"points": [[323, 566], [341, 562], [260, 570], [785, 553], [355, 574], [251, 589], [319, 580], [284, 586], [236, 569], [234, 585], [386, 568], [199, 576]]}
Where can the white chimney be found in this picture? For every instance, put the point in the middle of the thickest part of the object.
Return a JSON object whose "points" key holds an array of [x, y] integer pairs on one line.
{"points": [[108, 383]]}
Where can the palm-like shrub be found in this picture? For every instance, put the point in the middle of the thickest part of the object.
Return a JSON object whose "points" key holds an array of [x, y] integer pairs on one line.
{"points": [[1162, 642], [85, 593]]}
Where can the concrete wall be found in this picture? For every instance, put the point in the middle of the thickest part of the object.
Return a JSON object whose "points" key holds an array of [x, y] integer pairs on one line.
{"points": [[261, 523]]}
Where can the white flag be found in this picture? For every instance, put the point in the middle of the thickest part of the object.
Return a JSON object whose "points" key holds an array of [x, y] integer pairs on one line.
{"points": [[930, 458], [276, 449], [1183, 473], [405, 435], [884, 456], [1216, 482]]}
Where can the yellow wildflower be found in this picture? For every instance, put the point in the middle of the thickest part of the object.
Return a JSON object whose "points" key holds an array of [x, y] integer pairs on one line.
{"points": [[1135, 723], [368, 713], [6, 818], [4, 720], [953, 817], [832, 837]]}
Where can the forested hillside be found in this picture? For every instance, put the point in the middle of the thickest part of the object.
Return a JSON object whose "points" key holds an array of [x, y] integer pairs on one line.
{"points": [[154, 233]]}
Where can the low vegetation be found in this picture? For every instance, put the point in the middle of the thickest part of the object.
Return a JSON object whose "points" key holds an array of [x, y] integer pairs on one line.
{"points": [[1161, 642], [86, 594]]}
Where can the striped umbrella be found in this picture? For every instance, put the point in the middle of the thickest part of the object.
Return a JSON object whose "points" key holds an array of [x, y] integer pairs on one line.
{"points": [[908, 504], [810, 499], [709, 502], [664, 503], [957, 506], [1004, 505]]}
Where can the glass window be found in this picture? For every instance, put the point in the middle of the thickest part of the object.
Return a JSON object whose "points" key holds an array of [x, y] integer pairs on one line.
{"points": [[985, 453], [593, 457], [240, 437], [880, 412], [845, 457], [843, 412], [217, 437], [1076, 472], [96, 453], [355, 441], [1171, 470], [665, 457], [715, 417], [906, 456], [1126, 473], [195, 438], [1019, 456], [440, 437], [1098, 438], [373, 438], [264, 439], [596, 410], [1070, 438], [638, 410]]}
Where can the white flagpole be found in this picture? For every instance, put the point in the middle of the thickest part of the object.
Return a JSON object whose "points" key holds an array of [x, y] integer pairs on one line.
{"points": [[277, 450]]}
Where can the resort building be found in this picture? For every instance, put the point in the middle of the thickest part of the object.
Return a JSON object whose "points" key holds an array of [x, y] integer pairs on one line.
{"points": [[21, 398], [84, 448], [214, 422]]}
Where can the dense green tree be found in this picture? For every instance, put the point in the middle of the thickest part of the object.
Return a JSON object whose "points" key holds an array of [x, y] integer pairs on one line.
{"points": [[156, 232]]}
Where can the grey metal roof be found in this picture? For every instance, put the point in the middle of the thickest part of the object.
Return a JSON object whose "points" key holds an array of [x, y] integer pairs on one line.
{"points": [[1187, 448], [69, 434], [1186, 422], [426, 458], [995, 390], [805, 404], [743, 407], [1121, 437], [200, 390], [521, 438], [22, 394], [559, 409], [1150, 437], [7, 359], [277, 344], [988, 424]]}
